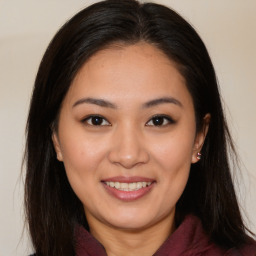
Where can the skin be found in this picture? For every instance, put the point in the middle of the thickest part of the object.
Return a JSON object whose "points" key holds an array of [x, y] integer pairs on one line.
{"points": [[128, 143]]}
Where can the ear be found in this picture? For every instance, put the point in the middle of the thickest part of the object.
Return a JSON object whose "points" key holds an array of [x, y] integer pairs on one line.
{"points": [[200, 138], [57, 147]]}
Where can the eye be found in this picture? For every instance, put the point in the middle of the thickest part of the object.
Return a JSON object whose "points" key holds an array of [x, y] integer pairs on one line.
{"points": [[160, 120], [96, 120]]}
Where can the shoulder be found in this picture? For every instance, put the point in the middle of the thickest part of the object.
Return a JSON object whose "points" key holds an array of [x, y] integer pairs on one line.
{"points": [[247, 250], [191, 239]]}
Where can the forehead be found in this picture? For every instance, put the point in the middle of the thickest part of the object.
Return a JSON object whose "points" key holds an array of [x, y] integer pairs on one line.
{"points": [[131, 72]]}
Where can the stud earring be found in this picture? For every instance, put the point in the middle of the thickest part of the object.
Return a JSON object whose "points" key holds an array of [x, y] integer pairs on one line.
{"points": [[199, 156]]}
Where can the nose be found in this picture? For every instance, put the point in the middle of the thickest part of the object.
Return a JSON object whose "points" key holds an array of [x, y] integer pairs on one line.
{"points": [[128, 148]]}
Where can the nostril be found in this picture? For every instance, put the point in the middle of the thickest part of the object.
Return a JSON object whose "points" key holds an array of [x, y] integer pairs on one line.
{"points": [[127, 147], [128, 160]]}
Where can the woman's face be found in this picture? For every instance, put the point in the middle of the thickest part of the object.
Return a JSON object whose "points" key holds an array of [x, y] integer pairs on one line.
{"points": [[127, 136]]}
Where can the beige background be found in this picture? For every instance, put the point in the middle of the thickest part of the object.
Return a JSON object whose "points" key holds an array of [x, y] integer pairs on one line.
{"points": [[228, 28]]}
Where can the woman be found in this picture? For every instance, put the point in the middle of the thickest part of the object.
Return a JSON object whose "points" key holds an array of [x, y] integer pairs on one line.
{"points": [[127, 144]]}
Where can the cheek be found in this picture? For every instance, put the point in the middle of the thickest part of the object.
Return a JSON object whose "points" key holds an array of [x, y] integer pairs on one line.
{"points": [[175, 161], [81, 157], [81, 160], [174, 152], [173, 155]]}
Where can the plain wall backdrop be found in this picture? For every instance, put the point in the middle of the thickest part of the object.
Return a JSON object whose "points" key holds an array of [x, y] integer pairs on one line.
{"points": [[228, 28]]}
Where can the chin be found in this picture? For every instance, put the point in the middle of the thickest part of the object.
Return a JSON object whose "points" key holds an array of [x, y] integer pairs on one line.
{"points": [[133, 221], [131, 225]]}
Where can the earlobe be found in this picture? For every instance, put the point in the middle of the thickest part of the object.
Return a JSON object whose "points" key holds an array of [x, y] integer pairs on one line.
{"points": [[200, 138], [56, 145]]}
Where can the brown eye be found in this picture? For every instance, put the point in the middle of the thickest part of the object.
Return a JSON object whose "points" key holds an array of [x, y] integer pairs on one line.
{"points": [[160, 120], [96, 121]]}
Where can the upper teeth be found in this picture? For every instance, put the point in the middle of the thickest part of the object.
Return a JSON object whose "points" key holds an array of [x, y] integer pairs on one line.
{"points": [[128, 186]]}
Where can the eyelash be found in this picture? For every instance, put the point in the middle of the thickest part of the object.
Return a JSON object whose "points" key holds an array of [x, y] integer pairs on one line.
{"points": [[164, 120], [89, 120]]}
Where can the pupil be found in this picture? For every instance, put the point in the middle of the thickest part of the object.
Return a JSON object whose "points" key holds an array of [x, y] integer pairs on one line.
{"points": [[96, 120], [158, 120]]}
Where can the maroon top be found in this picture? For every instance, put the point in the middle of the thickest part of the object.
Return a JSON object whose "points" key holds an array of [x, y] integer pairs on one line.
{"points": [[188, 240]]}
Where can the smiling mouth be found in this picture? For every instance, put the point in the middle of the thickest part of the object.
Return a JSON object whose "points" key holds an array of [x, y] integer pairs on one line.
{"points": [[133, 186], [128, 189]]}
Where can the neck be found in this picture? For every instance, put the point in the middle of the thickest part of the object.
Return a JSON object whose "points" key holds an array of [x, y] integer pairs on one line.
{"points": [[144, 241]]}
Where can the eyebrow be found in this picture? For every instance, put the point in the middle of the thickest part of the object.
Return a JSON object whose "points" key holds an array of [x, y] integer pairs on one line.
{"points": [[107, 104], [164, 100], [99, 102]]}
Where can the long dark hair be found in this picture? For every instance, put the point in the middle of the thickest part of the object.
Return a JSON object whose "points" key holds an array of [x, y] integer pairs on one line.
{"points": [[52, 208]]}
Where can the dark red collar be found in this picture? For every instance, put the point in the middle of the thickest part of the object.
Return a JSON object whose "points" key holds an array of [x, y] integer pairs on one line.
{"points": [[189, 239]]}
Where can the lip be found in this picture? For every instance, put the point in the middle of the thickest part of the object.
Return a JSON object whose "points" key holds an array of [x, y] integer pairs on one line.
{"points": [[128, 179], [128, 196]]}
